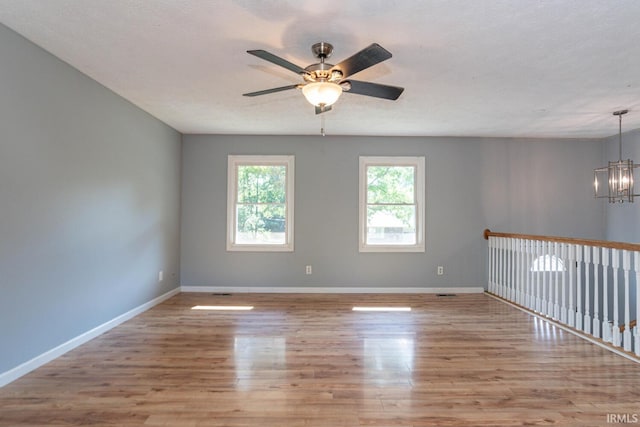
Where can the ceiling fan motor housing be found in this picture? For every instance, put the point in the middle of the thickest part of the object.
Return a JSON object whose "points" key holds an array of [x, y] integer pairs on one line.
{"points": [[322, 50], [322, 71]]}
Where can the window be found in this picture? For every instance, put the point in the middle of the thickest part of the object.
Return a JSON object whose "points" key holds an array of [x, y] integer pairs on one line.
{"points": [[260, 203], [548, 263], [391, 204]]}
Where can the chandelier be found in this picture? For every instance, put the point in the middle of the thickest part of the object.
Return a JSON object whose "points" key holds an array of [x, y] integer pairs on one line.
{"points": [[615, 181]]}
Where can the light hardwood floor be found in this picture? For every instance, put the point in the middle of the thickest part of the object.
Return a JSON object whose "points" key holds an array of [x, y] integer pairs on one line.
{"points": [[308, 360]]}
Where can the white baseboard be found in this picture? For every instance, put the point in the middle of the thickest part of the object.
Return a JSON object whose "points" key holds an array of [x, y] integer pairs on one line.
{"points": [[333, 290], [36, 362]]}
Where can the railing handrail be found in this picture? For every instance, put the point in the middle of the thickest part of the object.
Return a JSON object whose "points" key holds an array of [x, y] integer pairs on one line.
{"points": [[571, 240]]}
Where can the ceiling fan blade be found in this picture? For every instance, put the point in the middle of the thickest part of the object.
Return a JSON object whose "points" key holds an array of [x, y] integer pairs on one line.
{"points": [[372, 89], [263, 54], [266, 91], [322, 109], [367, 57]]}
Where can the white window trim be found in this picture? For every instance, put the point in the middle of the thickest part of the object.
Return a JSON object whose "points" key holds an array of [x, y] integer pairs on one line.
{"points": [[233, 162], [419, 188]]}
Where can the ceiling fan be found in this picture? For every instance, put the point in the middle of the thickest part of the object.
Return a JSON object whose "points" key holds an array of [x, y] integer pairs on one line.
{"points": [[324, 82]]}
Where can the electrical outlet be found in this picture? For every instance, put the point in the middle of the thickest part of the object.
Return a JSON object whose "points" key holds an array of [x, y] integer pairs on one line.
{"points": [[160, 276], [308, 269], [440, 270]]}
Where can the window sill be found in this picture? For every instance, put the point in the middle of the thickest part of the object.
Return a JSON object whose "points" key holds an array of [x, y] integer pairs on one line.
{"points": [[259, 248], [391, 249]]}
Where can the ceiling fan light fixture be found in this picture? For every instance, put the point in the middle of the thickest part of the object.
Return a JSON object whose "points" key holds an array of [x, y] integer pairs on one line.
{"points": [[322, 93]]}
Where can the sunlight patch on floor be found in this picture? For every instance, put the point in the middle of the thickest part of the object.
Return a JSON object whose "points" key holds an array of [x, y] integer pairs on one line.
{"points": [[381, 308], [223, 307]]}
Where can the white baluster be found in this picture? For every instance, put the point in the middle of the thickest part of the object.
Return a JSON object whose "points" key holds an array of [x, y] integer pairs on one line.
{"points": [[496, 262], [545, 273], [556, 286], [606, 326], [596, 292], [615, 263], [512, 269], [538, 272], [518, 263], [626, 266], [587, 286], [505, 278], [503, 265], [579, 287], [523, 267], [489, 265], [563, 309], [528, 291], [496, 285], [571, 318], [636, 263], [549, 273], [496, 270], [499, 265], [546, 280], [492, 264], [516, 269]]}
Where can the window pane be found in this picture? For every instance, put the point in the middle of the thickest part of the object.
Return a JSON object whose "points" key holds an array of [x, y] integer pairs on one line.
{"points": [[390, 184], [262, 184], [261, 224], [391, 225], [548, 263]]}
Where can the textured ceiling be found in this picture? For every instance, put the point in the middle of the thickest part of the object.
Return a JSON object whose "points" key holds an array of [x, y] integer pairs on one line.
{"points": [[469, 67]]}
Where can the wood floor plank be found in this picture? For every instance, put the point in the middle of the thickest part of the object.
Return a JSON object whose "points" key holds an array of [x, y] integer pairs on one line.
{"points": [[309, 360]]}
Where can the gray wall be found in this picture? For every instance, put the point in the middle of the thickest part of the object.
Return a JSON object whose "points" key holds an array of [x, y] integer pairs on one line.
{"points": [[511, 185], [623, 219], [90, 191]]}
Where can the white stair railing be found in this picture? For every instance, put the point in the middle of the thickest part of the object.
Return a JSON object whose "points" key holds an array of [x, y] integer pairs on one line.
{"points": [[588, 285]]}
